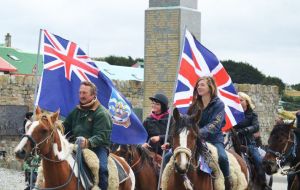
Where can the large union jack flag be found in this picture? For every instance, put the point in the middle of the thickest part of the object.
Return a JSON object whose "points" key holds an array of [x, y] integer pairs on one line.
{"points": [[65, 66], [197, 61]]}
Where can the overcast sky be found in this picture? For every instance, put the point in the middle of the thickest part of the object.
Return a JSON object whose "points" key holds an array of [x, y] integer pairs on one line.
{"points": [[264, 33]]}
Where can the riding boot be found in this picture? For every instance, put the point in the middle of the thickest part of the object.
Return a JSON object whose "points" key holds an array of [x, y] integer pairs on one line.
{"points": [[228, 183]]}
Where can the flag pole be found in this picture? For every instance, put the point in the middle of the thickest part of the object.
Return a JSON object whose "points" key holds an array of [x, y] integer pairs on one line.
{"points": [[171, 107], [37, 69]]}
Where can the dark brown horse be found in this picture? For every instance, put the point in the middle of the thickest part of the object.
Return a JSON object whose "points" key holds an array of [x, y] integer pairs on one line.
{"points": [[186, 155], [144, 165], [283, 150], [45, 139]]}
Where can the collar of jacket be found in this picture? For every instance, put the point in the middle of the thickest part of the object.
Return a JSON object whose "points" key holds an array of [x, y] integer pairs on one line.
{"points": [[93, 105], [158, 117]]}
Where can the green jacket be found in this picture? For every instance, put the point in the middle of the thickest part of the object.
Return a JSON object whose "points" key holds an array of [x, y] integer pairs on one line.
{"points": [[94, 124]]}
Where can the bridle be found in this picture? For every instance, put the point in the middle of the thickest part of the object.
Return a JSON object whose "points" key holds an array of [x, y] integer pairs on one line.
{"points": [[36, 151], [135, 164], [288, 152]]}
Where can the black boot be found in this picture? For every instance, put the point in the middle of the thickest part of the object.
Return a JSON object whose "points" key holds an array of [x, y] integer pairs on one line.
{"points": [[228, 183]]}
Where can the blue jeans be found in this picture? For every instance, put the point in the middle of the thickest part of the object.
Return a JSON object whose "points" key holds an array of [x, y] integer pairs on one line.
{"points": [[102, 154], [223, 159], [257, 159], [167, 158]]}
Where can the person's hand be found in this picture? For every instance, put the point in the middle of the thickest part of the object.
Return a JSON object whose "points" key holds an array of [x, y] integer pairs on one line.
{"points": [[83, 142], [165, 146], [146, 145], [243, 131], [155, 139]]}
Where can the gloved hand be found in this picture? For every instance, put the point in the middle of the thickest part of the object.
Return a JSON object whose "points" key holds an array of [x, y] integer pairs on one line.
{"points": [[243, 131], [83, 142]]}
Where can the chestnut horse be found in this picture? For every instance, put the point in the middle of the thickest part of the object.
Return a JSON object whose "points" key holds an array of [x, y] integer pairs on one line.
{"points": [[283, 149], [186, 155], [143, 163], [45, 139]]}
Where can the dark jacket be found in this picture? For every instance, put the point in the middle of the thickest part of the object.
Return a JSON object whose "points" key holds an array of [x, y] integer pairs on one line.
{"points": [[212, 121], [248, 127], [94, 124], [156, 127], [298, 120]]}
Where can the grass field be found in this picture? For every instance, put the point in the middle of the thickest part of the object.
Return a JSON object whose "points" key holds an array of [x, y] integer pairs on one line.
{"points": [[292, 92]]}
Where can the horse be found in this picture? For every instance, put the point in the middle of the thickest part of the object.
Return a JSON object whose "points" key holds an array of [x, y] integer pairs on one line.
{"points": [[242, 150], [283, 149], [185, 172], [144, 164], [59, 167]]}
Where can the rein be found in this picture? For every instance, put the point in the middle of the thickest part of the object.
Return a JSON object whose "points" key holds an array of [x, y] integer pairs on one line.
{"points": [[281, 158], [36, 151]]}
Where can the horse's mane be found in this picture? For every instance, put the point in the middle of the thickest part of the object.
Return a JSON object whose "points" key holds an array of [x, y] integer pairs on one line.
{"points": [[146, 155], [66, 147], [281, 126]]}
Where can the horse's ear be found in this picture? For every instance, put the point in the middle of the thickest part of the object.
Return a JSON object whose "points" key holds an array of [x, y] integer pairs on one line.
{"points": [[55, 116], [176, 114], [38, 111]]}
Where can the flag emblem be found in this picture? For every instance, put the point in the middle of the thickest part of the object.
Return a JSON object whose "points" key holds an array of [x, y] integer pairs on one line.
{"points": [[119, 110]]}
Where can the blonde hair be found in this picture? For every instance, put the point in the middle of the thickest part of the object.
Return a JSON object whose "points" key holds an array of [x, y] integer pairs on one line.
{"points": [[246, 97]]}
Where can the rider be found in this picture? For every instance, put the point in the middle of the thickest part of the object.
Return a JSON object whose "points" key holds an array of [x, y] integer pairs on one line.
{"points": [[290, 177], [156, 123], [212, 120], [246, 130], [90, 122]]}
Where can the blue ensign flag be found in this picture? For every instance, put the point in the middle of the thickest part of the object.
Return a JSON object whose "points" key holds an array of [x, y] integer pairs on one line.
{"points": [[65, 66]]}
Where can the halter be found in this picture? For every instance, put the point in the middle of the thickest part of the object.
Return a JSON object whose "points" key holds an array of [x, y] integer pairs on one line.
{"points": [[286, 153], [36, 151]]}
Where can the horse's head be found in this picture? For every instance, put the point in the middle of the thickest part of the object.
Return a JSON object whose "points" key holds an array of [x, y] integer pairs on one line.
{"points": [[280, 145], [40, 136], [127, 152], [185, 135]]}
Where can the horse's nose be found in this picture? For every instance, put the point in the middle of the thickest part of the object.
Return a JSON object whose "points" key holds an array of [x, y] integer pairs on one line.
{"points": [[20, 154]]}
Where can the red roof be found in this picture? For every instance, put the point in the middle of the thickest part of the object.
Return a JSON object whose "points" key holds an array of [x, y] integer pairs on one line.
{"points": [[5, 66]]}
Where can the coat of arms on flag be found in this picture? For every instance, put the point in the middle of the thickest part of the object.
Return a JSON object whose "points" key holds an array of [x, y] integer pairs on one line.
{"points": [[119, 110], [197, 61]]}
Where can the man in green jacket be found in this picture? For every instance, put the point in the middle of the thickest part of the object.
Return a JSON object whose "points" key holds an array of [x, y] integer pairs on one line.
{"points": [[91, 122]]}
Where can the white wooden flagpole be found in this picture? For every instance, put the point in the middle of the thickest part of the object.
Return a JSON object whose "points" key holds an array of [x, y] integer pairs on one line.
{"points": [[37, 70]]}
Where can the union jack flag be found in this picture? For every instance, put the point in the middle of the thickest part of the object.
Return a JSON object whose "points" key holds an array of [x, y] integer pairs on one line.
{"points": [[197, 61], [65, 66]]}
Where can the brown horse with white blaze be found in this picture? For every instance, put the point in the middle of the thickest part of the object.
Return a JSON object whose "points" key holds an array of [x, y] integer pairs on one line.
{"points": [[59, 167]]}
